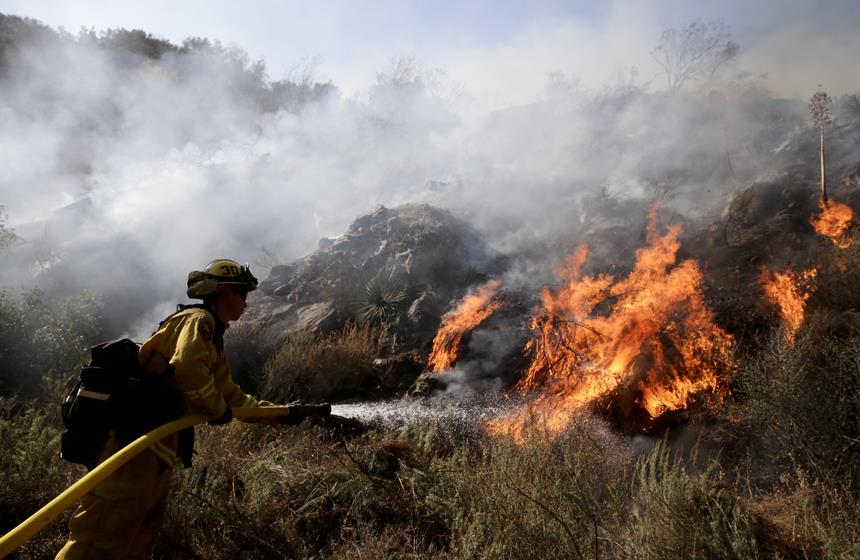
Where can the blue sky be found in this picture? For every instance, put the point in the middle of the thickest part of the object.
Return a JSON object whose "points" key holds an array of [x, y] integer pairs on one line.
{"points": [[499, 51]]}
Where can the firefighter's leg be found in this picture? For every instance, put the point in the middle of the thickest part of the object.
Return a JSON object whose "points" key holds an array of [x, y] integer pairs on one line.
{"points": [[142, 543], [121, 516]]}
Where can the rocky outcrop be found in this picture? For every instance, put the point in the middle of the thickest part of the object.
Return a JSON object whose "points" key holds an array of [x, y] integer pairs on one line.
{"points": [[398, 267]]}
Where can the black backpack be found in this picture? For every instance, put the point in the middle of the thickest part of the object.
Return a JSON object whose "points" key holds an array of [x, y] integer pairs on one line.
{"points": [[114, 394]]}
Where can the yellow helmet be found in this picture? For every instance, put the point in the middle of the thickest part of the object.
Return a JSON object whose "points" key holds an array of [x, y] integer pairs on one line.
{"points": [[220, 272]]}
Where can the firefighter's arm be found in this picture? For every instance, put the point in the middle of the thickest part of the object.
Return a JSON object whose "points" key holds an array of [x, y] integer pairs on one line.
{"points": [[235, 397], [193, 362]]}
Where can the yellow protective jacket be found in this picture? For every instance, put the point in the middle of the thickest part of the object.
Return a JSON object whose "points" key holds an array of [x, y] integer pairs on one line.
{"points": [[190, 343]]}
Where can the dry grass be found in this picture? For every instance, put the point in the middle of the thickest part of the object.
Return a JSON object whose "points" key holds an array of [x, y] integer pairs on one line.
{"points": [[311, 366], [782, 483], [295, 493], [283, 492]]}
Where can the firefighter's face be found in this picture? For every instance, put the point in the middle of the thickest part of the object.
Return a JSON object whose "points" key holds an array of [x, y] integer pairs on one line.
{"points": [[233, 303]]}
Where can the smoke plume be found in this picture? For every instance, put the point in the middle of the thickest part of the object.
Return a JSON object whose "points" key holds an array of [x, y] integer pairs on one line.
{"points": [[123, 172]]}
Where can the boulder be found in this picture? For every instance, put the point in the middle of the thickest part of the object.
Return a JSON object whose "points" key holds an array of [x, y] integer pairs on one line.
{"points": [[399, 268]]}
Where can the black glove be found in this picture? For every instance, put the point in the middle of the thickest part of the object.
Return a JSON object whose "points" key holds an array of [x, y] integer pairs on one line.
{"points": [[223, 419], [299, 412]]}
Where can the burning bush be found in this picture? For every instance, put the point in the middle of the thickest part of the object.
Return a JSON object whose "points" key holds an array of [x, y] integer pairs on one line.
{"points": [[644, 345], [470, 312], [835, 222], [789, 292]]}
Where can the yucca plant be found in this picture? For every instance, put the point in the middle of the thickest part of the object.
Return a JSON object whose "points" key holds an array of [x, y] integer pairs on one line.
{"points": [[381, 302]]}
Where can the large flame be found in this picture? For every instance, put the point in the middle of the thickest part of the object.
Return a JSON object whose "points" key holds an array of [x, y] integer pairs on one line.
{"points": [[472, 310], [649, 336], [834, 221], [788, 292]]}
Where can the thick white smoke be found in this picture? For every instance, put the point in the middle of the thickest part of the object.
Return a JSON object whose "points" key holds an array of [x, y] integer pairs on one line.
{"points": [[122, 173]]}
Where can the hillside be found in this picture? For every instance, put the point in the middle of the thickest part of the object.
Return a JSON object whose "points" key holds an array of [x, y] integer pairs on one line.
{"points": [[618, 323]]}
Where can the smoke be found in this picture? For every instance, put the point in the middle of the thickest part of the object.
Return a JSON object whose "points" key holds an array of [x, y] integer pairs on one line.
{"points": [[122, 173], [489, 357], [815, 56]]}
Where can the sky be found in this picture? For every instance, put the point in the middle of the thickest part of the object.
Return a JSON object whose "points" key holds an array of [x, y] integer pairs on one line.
{"points": [[479, 45]]}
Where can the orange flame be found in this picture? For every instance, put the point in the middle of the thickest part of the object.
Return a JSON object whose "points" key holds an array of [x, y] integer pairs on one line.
{"points": [[789, 293], [649, 336], [471, 312], [835, 222]]}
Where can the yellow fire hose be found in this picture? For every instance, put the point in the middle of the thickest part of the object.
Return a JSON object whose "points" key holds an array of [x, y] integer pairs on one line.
{"points": [[36, 522]]}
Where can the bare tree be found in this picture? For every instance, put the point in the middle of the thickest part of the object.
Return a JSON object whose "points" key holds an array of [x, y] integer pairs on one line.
{"points": [[7, 234], [819, 108], [694, 52]]}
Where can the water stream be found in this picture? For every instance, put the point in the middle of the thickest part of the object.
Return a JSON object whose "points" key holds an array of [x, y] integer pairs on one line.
{"points": [[459, 415]]}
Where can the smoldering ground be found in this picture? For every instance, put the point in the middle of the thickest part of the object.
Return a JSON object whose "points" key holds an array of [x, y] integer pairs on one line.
{"points": [[124, 170]]}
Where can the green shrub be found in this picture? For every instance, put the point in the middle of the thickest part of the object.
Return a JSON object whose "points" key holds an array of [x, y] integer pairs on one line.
{"points": [[42, 346], [41, 338], [559, 499], [799, 405], [677, 513], [32, 472]]}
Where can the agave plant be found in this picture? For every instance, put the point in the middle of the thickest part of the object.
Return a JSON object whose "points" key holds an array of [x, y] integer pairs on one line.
{"points": [[381, 301]]}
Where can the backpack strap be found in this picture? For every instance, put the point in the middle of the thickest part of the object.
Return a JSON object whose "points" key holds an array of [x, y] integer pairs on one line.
{"points": [[217, 336]]}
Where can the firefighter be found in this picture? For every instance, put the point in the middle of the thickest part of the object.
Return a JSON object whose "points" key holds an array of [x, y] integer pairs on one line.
{"points": [[121, 517]]}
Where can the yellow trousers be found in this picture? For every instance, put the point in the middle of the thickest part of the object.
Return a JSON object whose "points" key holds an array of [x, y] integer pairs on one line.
{"points": [[121, 517]]}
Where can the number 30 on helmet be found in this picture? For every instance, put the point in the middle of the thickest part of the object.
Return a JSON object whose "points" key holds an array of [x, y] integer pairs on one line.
{"points": [[220, 272]]}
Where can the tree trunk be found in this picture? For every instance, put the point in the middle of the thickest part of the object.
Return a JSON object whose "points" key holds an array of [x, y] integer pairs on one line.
{"points": [[823, 185]]}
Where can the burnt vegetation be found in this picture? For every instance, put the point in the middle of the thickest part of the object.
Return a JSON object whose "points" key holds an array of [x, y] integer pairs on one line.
{"points": [[770, 472]]}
